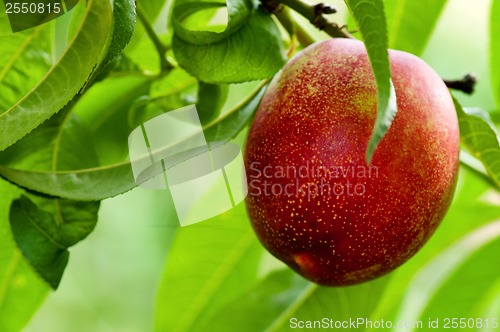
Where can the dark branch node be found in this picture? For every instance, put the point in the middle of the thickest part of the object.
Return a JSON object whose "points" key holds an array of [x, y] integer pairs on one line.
{"points": [[466, 84], [318, 20], [271, 6], [322, 8]]}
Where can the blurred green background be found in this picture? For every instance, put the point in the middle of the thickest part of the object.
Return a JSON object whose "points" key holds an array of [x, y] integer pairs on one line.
{"points": [[111, 280]]}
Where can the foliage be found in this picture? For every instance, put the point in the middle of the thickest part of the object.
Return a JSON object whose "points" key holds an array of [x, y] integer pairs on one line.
{"points": [[72, 90], [370, 18]]}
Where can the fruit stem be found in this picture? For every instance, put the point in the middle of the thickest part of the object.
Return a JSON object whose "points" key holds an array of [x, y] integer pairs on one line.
{"points": [[466, 84], [314, 13]]}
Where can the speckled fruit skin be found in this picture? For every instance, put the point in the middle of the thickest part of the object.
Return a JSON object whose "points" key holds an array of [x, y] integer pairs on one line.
{"points": [[320, 111]]}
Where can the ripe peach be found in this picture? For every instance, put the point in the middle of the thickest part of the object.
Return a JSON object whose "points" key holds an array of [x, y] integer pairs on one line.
{"points": [[313, 200]]}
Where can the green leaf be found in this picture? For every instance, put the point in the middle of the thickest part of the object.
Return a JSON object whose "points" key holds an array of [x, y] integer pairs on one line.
{"points": [[86, 184], [151, 8], [76, 18], [43, 231], [435, 286], [104, 108], [61, 143], [239, 12], [370, 19], [70, 4], [495, 49], [252, 52], [172, 91], [140, 48], [472, 208], [38, 240], [107, 181], [176, 81], [267, 299], [27, 18], [479, 137], [25, 57], [227, 127], [209, 265], [211, 98], [18, 281], [44, 237], [64, 80], [410, 23], [343, 303], [124, 17]]}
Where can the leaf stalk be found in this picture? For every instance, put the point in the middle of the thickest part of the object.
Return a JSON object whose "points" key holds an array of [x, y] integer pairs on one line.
{"points": [[160, 47]]}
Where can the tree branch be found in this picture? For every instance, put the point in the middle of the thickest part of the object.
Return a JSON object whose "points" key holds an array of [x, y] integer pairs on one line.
{"points": [[314, 13]]}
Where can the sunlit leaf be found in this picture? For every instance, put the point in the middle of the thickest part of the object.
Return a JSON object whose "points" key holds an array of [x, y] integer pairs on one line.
{"points": [[495, 49], [123, 27], [411, 23], [104, 110], [151, 8], [432, 288], [343, 303], [239, 12], [175, 90], [231, 123], [479, 137], [267, 300], [470, 209], [252, 52], [63, 81], [25, 57], [18, 281], [370, 19], [209, 265]]}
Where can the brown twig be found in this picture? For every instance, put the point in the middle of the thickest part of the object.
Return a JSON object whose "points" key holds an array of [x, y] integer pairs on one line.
{"points": [[466, 84], [316, 14]]}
